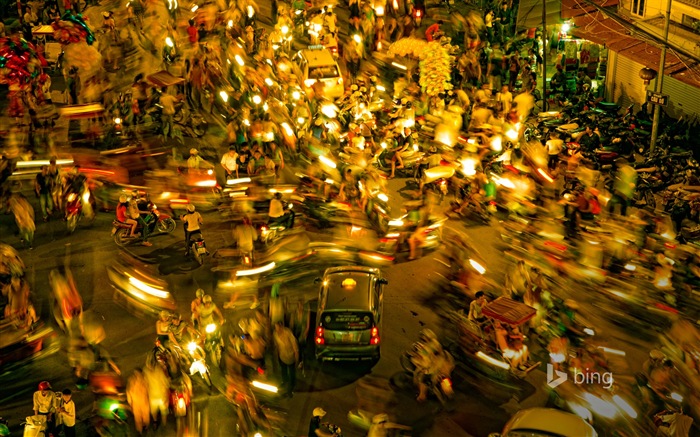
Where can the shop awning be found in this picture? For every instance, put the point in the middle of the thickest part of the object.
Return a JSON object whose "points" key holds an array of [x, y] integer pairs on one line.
{"points": [[595, 26], [163, 79]]}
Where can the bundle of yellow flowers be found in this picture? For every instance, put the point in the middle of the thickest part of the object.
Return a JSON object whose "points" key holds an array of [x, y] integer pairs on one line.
{"points": [[435, 69], [412, 47]]}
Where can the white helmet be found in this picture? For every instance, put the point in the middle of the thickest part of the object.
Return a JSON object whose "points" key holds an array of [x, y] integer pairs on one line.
{"points": [[319, 412]]}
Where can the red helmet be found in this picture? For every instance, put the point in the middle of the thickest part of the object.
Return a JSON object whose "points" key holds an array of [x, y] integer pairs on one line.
{"points": [[44, 385]]}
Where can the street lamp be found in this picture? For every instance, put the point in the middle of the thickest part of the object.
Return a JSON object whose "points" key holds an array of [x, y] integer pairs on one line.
{"points": [[647, 75], [660, 79]]}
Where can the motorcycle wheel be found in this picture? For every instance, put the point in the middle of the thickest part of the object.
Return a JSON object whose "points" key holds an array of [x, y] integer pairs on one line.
{"points": [[197, 255], [121, 237], [166, 226], [72, 223], [199, 126], [215, 355]]}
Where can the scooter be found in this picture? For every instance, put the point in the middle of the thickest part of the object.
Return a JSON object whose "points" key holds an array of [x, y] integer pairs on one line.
{"points": [[213, 343], [74, 208], [198, 248], [199, 364], [157, 222]]}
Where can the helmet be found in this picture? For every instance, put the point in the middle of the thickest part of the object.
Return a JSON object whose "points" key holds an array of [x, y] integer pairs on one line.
{"points": [[319, 412], [44, 385], [190, 208], [176, 316], [380, 418], [164, 315], [586, 87], [193, 151], [135, 193], [363, 89], [656, 354], [4, 430], [105, 14], [206, 298], [122, 199], [199, 292], [428, 334], [353, 87]]}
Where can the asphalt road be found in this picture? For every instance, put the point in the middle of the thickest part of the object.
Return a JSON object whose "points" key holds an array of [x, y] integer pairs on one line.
{"points": [[90, 251]]}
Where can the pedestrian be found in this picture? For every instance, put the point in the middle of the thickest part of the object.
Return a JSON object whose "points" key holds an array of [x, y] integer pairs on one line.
{"points": [[505, 100], [42, 187], [229, 162], [192, 33], [288, 355], [24, 217], [245, 235], [66, 413], [167, 102], [44, 405], [158, 385], [73, 85], [488, 22], [137, 397], [554, 148], [195, 82]]}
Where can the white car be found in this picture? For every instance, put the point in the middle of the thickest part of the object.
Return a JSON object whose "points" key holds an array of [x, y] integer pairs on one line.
{"points": [[317, 64], [546, 422]]}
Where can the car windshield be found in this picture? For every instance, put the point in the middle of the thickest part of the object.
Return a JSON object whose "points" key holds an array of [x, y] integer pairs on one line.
{"points": [[325, 72], [347, 320]]}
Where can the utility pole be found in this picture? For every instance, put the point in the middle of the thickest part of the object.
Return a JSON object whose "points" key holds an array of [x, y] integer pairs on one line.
{"points": [[660, 79], [544, 55]]}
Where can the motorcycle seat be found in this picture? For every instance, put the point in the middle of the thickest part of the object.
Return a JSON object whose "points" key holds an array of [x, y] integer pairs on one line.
{"points": [[439, 172], [119, 224]]}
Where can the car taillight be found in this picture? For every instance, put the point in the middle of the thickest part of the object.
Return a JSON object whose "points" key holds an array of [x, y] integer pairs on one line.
{"points": [[319, 335], [375, 336]]}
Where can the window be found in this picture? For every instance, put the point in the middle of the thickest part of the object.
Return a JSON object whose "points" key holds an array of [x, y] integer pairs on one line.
{"points": [[638, 7], [691, 22]]}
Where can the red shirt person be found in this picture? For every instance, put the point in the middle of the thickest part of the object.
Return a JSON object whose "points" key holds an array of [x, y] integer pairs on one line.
{"points": [[432, 30], [192, 34]]}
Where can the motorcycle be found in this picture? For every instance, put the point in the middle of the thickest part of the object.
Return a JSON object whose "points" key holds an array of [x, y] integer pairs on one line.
{"points": [[180, 396], [411, 161], [198, 248], [198, 362], [440, 382], [74, 208], [213, 343], [157, 222]]}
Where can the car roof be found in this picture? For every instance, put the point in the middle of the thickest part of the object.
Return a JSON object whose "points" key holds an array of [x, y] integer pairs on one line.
{"points": [[318, 57], [358, 298], [552, 421]]}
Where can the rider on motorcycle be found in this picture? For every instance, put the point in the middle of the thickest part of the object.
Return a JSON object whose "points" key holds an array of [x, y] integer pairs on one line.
{"points": [[206, 313], [245, 235], [403, 142], [196, 305], [123, 215], [192, 221], [136, 213], [278, 215], [163, 327], [178, 329]]}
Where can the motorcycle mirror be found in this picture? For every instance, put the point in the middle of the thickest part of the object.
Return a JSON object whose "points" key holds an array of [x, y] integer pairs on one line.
{"points": [[317, 280], [383, 281]]}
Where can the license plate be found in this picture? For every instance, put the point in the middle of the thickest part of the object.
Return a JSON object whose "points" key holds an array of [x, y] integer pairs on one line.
{"points": [[346, 338], [201, 250]]}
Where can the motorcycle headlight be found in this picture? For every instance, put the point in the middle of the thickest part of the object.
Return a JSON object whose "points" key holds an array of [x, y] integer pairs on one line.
{"points": [[210, 328], [71, 197], [191, 346]]}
